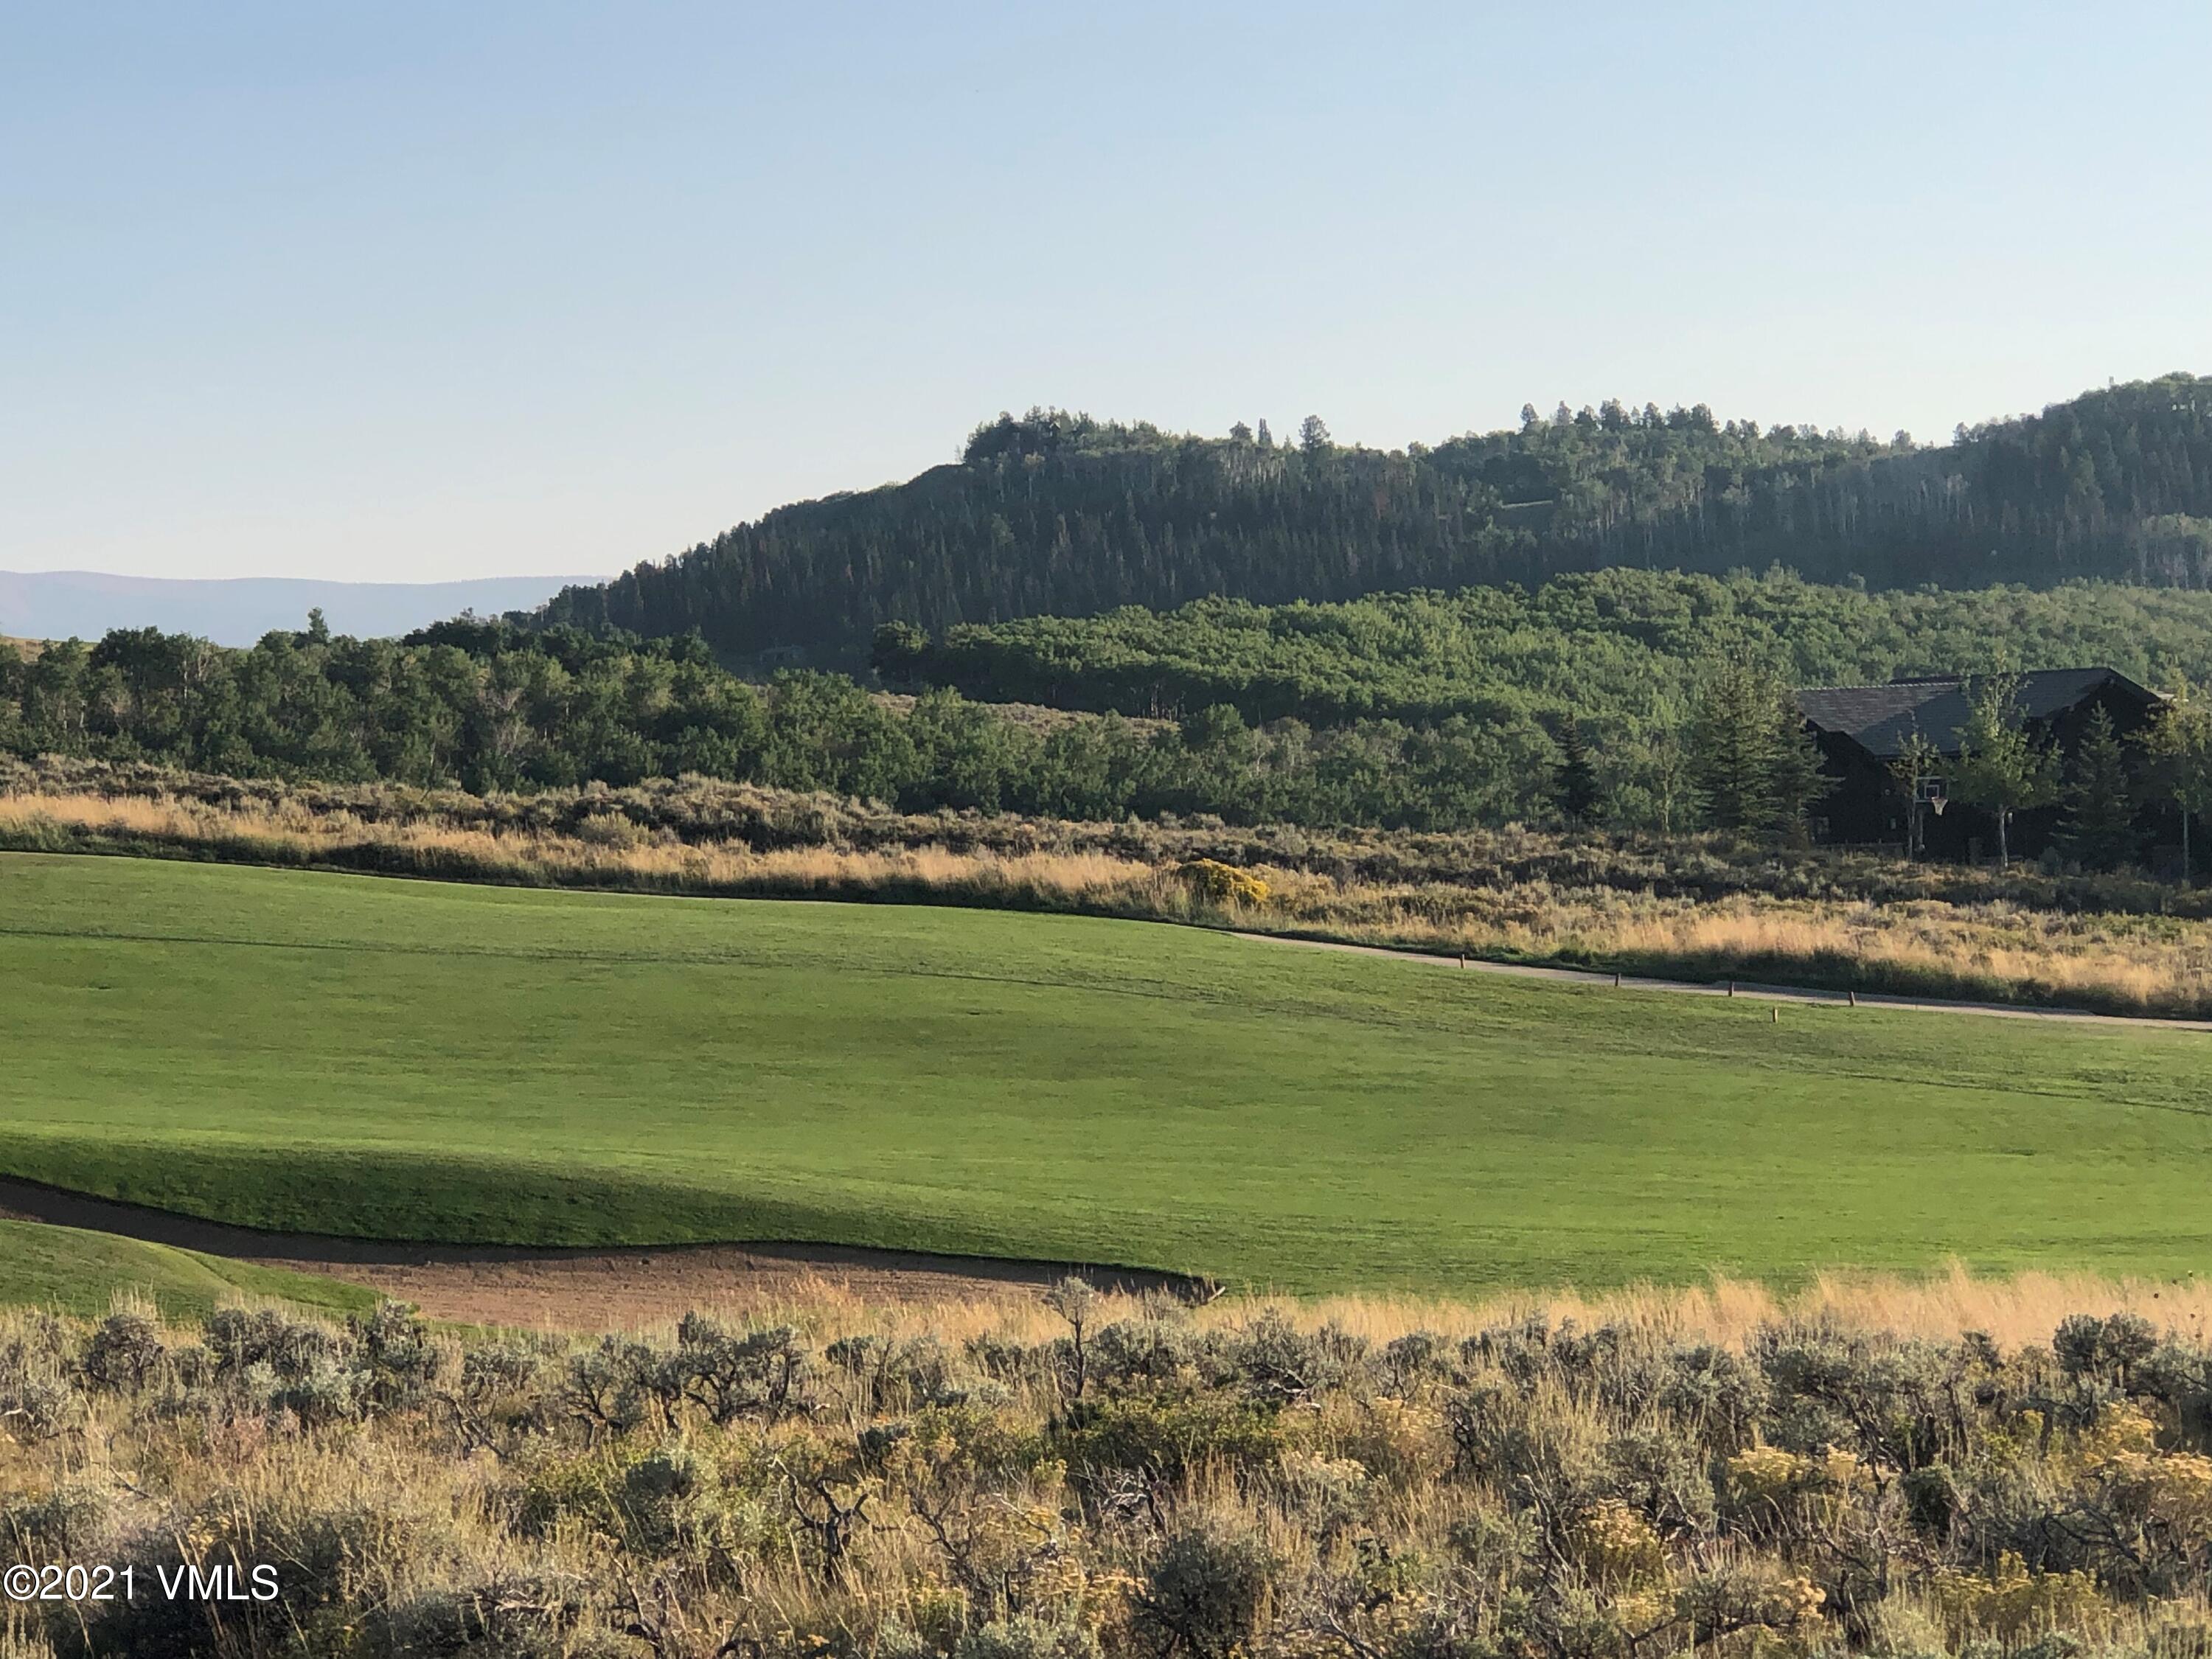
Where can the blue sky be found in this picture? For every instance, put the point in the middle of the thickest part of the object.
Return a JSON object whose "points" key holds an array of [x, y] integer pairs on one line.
{"points": [[409, 292]]}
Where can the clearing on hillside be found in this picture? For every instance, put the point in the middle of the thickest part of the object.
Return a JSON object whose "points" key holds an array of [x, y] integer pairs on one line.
{"points": [[407, 1059]]}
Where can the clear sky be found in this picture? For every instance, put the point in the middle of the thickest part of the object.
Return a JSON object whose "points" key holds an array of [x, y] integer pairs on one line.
{"points": [[410, 291]]}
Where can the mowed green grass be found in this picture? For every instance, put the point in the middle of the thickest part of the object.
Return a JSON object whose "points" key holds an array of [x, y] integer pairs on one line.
{"points": [[412, 1059], [84, 1273]]}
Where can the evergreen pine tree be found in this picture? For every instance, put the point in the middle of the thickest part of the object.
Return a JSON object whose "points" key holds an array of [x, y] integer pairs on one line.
{"points": [[1795, 780], [1733, 755], [2100, 825], [1574, 785]]}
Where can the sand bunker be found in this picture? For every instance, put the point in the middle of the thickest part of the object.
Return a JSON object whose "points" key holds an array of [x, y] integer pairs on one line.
{"points": [[582, 1289]]}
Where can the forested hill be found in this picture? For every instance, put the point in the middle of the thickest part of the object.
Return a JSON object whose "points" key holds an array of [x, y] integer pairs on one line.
{"points": [[1602, 645], [1410, 710], [1054, 514]]}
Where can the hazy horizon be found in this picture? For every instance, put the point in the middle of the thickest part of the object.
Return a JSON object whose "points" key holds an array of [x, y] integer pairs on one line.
{"points": [[59, 605], [427, 294]]}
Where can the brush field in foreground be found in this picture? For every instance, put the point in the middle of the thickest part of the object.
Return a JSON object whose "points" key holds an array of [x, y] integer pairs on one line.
{"points": [[409, 1060]]}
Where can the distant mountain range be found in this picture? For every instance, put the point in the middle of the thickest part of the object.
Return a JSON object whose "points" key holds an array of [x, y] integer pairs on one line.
{"points": [[1057, 514], [58, 605]]}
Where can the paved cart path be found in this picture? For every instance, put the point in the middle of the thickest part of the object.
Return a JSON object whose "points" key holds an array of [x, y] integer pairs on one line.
{"points": [[1790, 994]]}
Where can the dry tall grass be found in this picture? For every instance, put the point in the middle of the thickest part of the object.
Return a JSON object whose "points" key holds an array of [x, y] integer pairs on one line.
{"points": [[2013, 1311], [609, 851], [1390, 1483], [1996, 949]]}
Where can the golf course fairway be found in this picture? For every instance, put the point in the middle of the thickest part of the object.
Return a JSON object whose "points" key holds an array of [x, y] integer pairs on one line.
{"points": [[408, 1060]]}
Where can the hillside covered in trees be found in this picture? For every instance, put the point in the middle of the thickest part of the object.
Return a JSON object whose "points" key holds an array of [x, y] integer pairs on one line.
{"points": [[1602, 644], [495, 709], [1060, 514], [1614, 698]]}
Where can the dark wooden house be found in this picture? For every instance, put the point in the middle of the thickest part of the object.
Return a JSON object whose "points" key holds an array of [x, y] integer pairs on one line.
{"points": [[1861, 729]]}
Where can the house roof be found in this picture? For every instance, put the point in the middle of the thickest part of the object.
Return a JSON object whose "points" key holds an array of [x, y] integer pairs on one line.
{"points": [[1879, 718]]}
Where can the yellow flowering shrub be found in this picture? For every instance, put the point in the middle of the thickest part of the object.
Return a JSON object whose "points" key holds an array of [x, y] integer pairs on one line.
{"points": [[1108, 1598], [2030, 1436], [1769, 1475], [1223, 883], [2119, 1431], [1616, 1547], [2010, 1600], [2175, 1489], [1764, 1475]]}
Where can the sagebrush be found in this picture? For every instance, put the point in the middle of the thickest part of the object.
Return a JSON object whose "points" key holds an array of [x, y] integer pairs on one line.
{"points": [[1154, 1481]]}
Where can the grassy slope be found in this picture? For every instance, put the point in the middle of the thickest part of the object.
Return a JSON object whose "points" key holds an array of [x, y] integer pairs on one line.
{"points": [[80, 1272], [414, 1060]]}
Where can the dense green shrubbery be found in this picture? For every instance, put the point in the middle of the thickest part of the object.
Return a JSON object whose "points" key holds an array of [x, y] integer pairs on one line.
{"points": [[1618, 646], [1194, 1486]]}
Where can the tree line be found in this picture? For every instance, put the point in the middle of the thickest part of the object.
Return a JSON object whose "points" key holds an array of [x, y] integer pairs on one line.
{"points": [[492, 708], [1052, 514]]}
